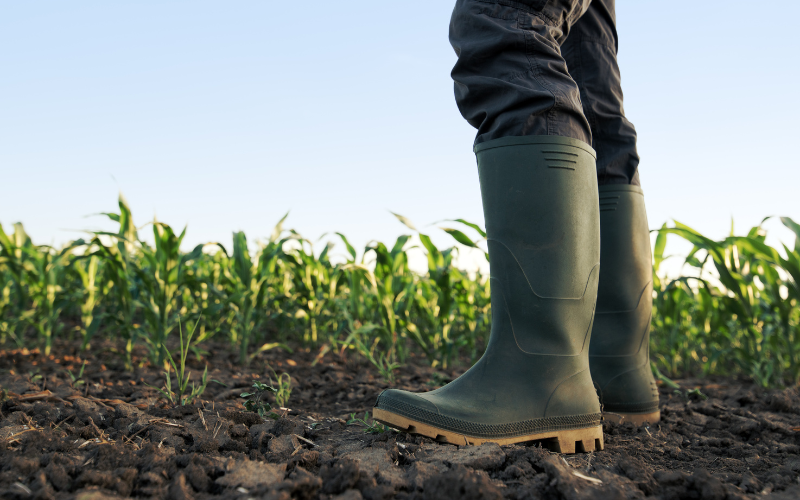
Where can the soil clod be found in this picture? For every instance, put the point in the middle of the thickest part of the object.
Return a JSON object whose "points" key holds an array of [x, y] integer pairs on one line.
{"points": [[114, 438]]}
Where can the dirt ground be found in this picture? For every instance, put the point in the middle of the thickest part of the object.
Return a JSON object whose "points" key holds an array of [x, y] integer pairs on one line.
{"points": [[111, 437]]}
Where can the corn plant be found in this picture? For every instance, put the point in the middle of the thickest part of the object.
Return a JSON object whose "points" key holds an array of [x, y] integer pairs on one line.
{"points": [[12, 272], [88, 275], [384, 359], [747, 323], [183, 394], [283, 388], [163, 275], [44, 272], [245, 295], [116, 255], [733, 310], [76, 380], [7, 318], [441, 295], [394, 286], [313, 287]]}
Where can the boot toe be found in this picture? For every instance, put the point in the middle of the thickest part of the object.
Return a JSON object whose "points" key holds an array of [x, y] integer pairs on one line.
{"points": [[404, 402]]}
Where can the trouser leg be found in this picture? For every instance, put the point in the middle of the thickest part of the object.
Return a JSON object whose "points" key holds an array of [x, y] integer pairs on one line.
{"points": [[547, 70], [590, 52], [551, 70], [510, 78]]}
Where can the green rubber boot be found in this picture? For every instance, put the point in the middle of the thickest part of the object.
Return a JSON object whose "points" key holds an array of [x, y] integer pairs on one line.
{"points": [[533, 382], [619, 352]]}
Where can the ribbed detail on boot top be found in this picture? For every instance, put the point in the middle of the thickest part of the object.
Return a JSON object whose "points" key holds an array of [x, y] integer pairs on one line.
{"points": [[554, 140]]}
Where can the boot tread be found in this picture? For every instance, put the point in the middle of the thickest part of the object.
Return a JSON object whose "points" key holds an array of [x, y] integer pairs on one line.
{"points": [[474, 430], [567, 441]]}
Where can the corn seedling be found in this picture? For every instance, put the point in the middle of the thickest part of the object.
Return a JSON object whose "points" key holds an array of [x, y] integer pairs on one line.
{"points": [[184, 393], [438, 379], [77, 380], [283, 389], [382, 360]]}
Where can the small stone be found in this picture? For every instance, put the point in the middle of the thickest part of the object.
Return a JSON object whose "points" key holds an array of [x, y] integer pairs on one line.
{"points": [[125, 410], [180, 489], [349, 495], [377, 459], [283, 445], [488, 456], [249, 474], [462, 483], [340, 476], [419, 472], [780, 402], [258, 429], [668, 478], [85, 406]]}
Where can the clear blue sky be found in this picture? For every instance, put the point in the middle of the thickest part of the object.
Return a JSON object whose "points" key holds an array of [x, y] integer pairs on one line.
{"points": [[224, 115]]}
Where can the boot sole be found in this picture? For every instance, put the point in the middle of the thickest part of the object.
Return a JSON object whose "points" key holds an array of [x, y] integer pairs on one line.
{"points": [[636, 419], [566, 441]]}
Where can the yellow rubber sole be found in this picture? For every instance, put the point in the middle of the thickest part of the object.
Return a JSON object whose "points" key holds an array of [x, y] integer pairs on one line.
{"points": [[636, 419], [561, 441]]}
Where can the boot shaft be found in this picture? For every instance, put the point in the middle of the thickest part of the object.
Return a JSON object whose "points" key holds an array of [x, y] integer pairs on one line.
{"points": [[625, 291], [539, 201], [619, 350]]}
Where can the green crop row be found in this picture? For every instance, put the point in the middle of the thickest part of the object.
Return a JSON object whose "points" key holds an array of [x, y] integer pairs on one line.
{"points": [[734, 313]]}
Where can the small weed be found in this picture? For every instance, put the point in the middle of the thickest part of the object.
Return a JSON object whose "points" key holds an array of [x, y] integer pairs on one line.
{"points": [[686, 395], [256, 402], [693, 395], [663, 378], [384, 361], [372, 428], [438, 379], [77, 380], [34, 376], [696, 395], [386, 367]]}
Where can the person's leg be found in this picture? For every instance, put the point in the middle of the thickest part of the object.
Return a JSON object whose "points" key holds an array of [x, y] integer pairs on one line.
{"points": [[539, 191], [590, 52], [619, 349], [510, 79]]}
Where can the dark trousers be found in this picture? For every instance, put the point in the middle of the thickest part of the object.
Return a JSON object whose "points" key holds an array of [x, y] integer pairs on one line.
{"points": [[544, 67]]}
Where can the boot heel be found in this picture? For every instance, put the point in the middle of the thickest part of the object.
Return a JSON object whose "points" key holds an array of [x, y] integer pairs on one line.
{"points": [[580, 440]]}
